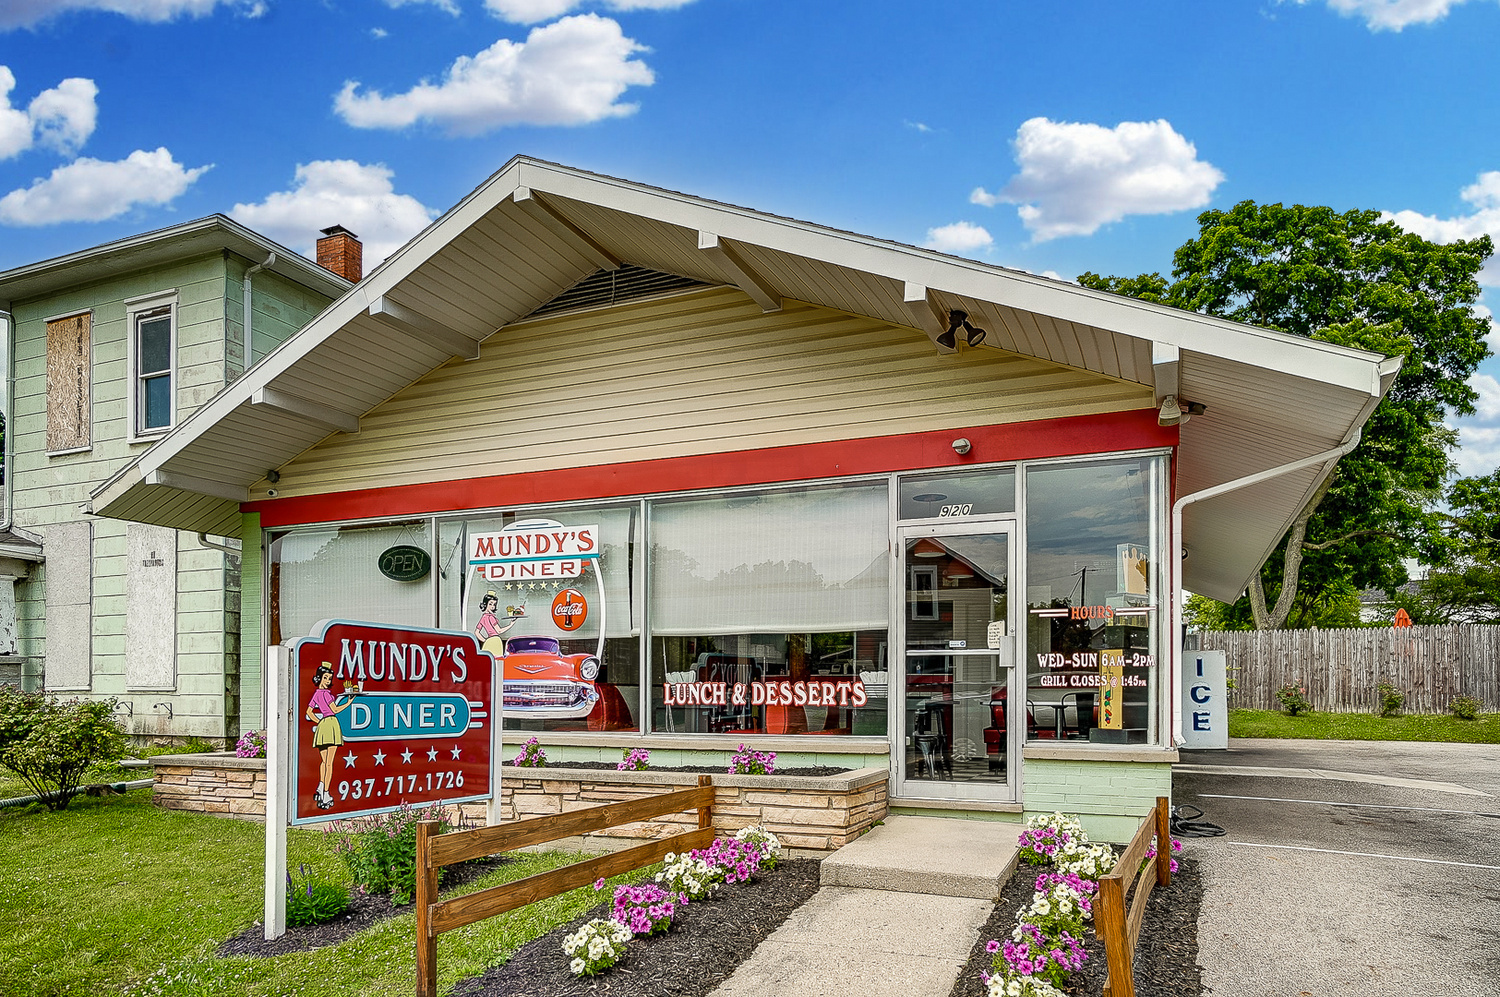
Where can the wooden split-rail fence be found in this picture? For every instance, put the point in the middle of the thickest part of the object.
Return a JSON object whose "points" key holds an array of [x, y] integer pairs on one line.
{"points": [[435, 850], [1340, 669], [1123, 892]]}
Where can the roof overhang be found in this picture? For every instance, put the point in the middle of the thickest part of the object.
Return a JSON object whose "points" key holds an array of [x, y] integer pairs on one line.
{"points": [[139, 252], [535, 228]]}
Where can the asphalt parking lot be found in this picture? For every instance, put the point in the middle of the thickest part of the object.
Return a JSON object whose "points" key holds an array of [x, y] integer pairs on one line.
{"points": [[1374, 870]]}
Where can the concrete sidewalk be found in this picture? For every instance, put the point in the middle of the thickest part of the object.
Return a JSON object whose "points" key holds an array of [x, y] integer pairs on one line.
{"points": [[898, 913]]}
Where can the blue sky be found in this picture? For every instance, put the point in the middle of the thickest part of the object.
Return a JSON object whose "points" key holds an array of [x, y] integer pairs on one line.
{"points": [[1058, 137]]}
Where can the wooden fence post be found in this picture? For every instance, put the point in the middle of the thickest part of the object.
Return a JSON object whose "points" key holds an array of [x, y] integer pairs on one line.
{"points": [[1163, 842], [427, 894], [705, 814], [1119, 957]]}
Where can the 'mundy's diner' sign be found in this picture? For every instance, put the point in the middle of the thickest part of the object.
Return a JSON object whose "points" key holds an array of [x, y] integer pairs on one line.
{"points": [[533, 550]]}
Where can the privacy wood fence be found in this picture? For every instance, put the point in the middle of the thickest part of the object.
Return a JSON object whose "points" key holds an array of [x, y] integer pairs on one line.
{"points": [[1341, 668], [1116, 924], [436, 850]]}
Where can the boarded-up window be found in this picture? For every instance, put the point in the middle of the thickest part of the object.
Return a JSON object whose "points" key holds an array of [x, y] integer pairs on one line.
{"points": [[70, 596], [68, 383]]}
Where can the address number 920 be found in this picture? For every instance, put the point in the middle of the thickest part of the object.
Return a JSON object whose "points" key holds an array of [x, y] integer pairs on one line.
{"points": [[956, 510]]}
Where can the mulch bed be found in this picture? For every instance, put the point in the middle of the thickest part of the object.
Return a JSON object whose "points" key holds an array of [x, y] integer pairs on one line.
{"points": [[1166, 958], [364, 910], [706, 943], [704, 769]]}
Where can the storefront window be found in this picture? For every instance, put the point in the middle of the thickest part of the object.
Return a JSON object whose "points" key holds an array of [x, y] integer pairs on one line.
{"points": [[768, 612], [549, 592], [350, 573], [1093, 595]]}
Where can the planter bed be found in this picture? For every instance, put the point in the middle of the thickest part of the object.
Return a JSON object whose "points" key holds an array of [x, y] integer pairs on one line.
{"points": [[707, 942], [809, 813], [1166, 958], [215, 782]]}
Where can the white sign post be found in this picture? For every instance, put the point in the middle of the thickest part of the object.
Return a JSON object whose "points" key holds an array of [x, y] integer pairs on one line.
{"points": [[280, 757], [1205, 701]]}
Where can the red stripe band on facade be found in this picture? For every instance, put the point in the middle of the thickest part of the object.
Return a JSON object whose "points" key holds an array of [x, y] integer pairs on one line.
{"points": [[1012, 441]]}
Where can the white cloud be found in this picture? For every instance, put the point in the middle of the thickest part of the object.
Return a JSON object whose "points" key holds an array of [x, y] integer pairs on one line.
{"points": [[1484, 195], [64, 117], [61, 118], [533, 11], [328, 192], [447, 6], [1076, 177], [378, 33], [918, 126], [1393, 15], [91, 190], [23, 13], [958, 238], [571, 72]]}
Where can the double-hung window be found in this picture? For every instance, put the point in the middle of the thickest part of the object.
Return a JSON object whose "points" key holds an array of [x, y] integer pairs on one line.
{"points": [[152, 371]]}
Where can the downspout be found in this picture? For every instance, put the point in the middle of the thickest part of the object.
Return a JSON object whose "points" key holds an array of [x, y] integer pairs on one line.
{"points": [[249, 354], [1174, 622], [203, 540]]}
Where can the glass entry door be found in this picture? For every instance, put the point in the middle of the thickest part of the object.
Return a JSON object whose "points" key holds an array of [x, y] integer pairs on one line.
{"points": [[956, 664]]}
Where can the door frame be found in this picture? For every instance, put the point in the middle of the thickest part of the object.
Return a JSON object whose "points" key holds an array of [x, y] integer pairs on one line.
{"points": [[1008, 791]]}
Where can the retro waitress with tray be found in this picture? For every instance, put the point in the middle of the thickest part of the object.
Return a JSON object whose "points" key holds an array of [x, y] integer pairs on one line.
{"points": [[322, 710]]}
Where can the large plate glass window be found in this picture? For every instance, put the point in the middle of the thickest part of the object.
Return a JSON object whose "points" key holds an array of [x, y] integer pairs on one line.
{"points": [[566, 628], [1093, 597], [333, 573], [769, 612], [958, 494]]}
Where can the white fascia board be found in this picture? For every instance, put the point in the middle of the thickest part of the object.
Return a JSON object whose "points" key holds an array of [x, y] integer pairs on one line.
{"points": [[1353, 369]]}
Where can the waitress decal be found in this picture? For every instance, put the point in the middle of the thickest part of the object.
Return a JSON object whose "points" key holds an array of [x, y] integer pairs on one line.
{"points": [[323, 709]]}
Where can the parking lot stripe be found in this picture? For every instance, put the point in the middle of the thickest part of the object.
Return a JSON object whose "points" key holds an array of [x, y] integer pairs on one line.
{"points": [[1363, 855], [1331, 803]]}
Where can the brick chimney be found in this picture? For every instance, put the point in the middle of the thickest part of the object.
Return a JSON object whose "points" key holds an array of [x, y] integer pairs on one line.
{"points": [[340, 251]]}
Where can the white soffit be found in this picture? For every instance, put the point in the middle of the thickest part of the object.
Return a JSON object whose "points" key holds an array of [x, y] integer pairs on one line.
{"points": [[1272, 398]]}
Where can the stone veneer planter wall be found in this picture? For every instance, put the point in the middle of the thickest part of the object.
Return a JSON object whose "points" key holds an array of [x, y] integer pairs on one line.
{"points": [[214, 783], [818, 813]]}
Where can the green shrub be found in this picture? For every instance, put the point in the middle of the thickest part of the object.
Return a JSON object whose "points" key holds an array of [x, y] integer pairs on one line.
{"points": [[314, 900], [1465, 707], [51, 743], [1293, 699], [1389, 700], [381, 851]]}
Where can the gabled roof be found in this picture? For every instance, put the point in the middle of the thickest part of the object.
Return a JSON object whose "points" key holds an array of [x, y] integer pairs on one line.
{"points": [[535, 228], [149, 249]]}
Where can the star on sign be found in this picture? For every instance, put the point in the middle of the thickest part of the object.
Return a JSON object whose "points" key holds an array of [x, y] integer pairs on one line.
{"points": [[349, 761], [406, 757], [432, 754], [380, 758], [458, 753]]}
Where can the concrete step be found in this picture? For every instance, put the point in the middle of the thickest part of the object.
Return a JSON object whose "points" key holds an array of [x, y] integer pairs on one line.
{"points": [[939, 856]]}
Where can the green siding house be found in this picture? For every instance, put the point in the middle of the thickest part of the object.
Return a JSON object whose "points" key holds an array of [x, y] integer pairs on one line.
{"points": [[108, 349]]}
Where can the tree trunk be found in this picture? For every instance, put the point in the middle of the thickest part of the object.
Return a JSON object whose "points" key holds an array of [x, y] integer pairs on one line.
{"points": [[1275, 618]]}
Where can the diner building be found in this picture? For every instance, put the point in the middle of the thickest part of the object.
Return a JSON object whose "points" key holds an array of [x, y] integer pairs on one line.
{"points": [[708, 477]]}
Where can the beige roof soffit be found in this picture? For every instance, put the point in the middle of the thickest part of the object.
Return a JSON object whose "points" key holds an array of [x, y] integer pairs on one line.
{"points": [[358, 299], [1385, 376], [1128, 316]]}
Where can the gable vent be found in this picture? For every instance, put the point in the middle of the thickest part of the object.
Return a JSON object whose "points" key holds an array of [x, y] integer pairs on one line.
{"points": [[611, 287]]}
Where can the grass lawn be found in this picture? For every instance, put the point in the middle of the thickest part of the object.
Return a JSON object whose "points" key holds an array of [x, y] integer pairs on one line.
{"points": [[115, 896], [1366, 726]]}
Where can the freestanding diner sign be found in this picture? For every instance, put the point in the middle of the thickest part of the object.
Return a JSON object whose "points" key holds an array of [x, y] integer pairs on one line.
{"points": [[372, 717]]}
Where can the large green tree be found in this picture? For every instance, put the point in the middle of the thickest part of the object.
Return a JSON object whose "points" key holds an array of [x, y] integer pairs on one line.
{"points": [[1464, 587], [1353, 279]]}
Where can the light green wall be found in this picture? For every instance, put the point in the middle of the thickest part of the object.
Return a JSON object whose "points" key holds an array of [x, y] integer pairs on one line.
{"points": [[1110, 798], [48, 490], [252, 622], [511, 742]]}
